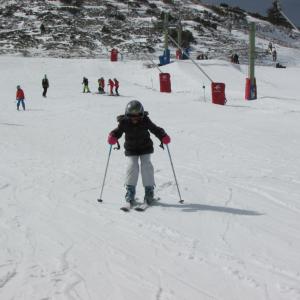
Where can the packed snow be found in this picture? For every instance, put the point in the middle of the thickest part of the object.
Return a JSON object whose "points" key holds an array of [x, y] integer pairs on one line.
{"points": [[236, 236]]}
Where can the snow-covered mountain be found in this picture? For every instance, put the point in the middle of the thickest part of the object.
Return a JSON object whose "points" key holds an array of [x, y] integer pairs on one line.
{"points": [[91, 28]]}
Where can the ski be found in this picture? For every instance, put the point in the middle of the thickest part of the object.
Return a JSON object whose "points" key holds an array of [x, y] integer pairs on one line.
{"points": [[122, 96], [145, 206], [128, 206], [142, 207]]}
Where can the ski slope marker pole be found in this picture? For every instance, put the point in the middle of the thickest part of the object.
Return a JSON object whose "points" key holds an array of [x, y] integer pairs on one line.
{"points": [[180, 201], [109, 153]]}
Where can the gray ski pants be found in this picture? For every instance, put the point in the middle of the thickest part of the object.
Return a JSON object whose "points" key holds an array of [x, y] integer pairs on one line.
{"points": [[132, 170]]}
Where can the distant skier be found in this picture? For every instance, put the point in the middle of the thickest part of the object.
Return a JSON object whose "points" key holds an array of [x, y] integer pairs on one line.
{"points": [[274, 55], [229, 26], [85, 83], [138, 146], [43, 29], [116, 84], [45, 85], [101, 86], [111, 86], [270, 47], [20, 97], [236, 59]]}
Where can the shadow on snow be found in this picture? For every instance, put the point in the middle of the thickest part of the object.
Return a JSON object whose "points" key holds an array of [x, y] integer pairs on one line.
{"points": [[203, 207]]}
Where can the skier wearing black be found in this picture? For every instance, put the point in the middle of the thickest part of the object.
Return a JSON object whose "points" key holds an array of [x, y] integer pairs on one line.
{"points": [[138, 146], [45, 85], [116, 84], [43, 29], [274, 55], [85, 83], [101, 86]]}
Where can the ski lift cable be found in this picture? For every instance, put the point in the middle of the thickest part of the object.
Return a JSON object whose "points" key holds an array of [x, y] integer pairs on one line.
{"points": [[193, 61]]}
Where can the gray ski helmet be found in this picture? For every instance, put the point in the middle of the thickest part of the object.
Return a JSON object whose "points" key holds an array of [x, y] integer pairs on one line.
{"points": [[134, 107]]}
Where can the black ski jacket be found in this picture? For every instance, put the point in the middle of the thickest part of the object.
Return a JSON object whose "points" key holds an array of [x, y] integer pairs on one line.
{"points": [[45, 83], [137, 136]]}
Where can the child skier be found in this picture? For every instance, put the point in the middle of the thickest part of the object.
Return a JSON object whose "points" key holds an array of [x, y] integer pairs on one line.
{"points": [[111, 86], [45, 85], [20, 97], [116, 83], [85, 83], [101, 86], [138, 146]]}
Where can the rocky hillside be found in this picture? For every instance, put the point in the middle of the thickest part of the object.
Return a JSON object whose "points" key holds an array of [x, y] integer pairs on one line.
{"points": [[81, 28]]}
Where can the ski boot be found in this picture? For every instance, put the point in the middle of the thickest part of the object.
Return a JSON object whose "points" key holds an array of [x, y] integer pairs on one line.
{"points": [[149, 195], [130, 195]]}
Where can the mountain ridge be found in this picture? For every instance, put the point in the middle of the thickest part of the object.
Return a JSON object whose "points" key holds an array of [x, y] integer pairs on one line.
{"points": [[90, 29]]}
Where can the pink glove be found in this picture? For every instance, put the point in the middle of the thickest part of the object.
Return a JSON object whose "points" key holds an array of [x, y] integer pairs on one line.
{"points": [[112, 140], [166, 139]]}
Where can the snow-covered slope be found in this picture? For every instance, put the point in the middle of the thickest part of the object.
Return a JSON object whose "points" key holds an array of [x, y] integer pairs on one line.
{"points": [[237, 236]]}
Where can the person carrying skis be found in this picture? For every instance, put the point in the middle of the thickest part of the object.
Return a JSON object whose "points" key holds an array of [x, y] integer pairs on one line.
{"points": [[111, 87], [45, 85], [20, 97], [116, 84], [101, 86], [270, 47], [85, 83], [138, 145]]}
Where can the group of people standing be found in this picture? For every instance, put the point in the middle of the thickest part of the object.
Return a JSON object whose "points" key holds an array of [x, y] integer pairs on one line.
{"points": [[112, 83], [234, 58], [113, 89]]}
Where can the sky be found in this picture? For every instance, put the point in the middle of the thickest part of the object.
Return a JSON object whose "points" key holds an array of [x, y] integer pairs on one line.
{"points": [[290, 7]]}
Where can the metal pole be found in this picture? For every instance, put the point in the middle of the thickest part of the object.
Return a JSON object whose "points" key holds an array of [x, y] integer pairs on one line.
{"points": [[289, 20], [166, 31], [179, 33], [109, 153], [251, 70], [180, 201]]}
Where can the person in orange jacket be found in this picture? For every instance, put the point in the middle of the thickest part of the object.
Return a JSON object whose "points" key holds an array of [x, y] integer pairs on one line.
{"points": [[116, 82], [20, 97], [111, 86]]}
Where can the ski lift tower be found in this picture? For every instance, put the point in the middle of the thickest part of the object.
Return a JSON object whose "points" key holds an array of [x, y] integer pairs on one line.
{"points": [[251, 89]]}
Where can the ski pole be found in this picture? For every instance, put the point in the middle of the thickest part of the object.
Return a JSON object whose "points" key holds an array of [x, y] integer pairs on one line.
{"points": [[204, 92], [180, 201], [109, 153]]}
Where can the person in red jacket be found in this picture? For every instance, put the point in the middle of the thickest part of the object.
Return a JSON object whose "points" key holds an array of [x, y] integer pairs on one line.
{"points": [[20, 97], [101, 87], [111, 86], [116, 82]]}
